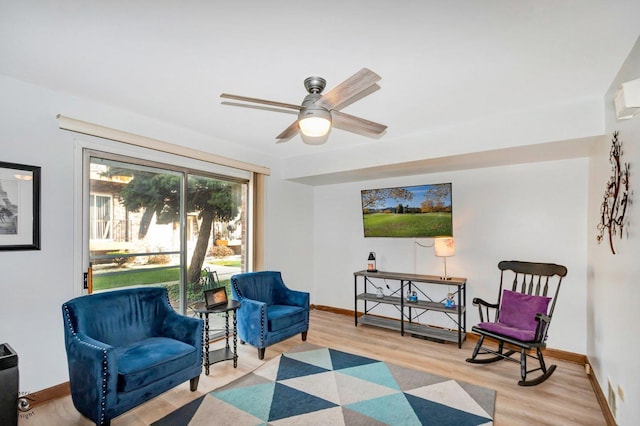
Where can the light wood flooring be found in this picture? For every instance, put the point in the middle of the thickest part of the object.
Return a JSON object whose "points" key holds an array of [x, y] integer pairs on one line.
{"points": [[567, 398]]}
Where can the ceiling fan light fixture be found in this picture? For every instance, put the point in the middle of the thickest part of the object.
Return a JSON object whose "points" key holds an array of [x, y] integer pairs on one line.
{"points": [[314, 122], [314, 126], [311, 140]]}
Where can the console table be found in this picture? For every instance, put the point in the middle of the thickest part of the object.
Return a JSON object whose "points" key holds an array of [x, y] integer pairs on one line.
{"points": [[409, 311]]}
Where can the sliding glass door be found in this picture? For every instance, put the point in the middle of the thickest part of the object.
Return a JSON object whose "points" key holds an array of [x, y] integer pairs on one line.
{"points": [[158, 224]]}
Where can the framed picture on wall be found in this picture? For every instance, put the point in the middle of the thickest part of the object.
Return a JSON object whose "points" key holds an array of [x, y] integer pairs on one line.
{"points": [[19, 207]]}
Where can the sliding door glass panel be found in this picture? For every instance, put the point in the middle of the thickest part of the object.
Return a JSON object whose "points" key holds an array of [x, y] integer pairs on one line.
{"points": [[216, 233], [134, 226]]}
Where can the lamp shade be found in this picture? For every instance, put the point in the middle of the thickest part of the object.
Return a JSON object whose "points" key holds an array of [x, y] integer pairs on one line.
{"points": [[444, 246]]}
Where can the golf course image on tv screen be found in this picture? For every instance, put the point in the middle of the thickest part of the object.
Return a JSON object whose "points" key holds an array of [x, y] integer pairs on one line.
{"points": [[419, 211]]}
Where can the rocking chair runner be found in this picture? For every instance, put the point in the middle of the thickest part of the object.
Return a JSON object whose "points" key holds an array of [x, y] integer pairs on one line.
{"points": [[521, 317]]}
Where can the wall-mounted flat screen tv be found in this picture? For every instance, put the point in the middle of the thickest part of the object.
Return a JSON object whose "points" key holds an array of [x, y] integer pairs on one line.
{"points": [[420, 211]]}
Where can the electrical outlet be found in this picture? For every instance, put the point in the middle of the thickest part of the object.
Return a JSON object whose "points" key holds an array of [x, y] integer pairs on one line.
{"points": [[612, 398], [587, 368]]}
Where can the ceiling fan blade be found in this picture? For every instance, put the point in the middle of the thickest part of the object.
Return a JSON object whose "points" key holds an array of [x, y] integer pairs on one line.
{"points": [[288, 133], [355, 124], [259, 107], [260, 101], [363, 94], [355, 84]]}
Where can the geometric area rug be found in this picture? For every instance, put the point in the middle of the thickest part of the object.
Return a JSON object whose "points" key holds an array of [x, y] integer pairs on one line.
{"points": [[313, 385]]}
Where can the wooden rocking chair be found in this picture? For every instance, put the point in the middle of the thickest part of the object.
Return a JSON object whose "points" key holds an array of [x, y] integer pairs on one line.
{"points": [[521, 317]]}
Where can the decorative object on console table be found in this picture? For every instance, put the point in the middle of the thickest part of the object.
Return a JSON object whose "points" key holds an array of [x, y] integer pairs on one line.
{"points": [[379, 292], [444, 247], [449, 302], [616, 195], [371, 262]]}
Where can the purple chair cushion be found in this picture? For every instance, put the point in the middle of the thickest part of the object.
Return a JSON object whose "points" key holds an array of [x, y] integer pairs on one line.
{"points": [[505, 330], [519, 310]]}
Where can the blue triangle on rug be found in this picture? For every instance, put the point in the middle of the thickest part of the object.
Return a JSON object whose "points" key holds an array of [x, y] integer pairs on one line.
{"points": [[290, 368], [287, 402], [255, 400], [342, 360], [376, 372], [182, 415], [439, 414], [391, 409]]}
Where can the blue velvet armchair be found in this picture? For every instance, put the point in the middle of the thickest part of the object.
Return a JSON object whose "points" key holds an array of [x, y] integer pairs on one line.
{"points": [[125, 347], [269, 311]]}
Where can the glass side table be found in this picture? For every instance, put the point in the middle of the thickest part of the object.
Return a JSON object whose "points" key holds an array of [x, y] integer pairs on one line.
{"points": [[223, 354]]}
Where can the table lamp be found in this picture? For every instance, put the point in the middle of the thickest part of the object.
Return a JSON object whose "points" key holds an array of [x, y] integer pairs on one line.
{"points": [[444, 247]]}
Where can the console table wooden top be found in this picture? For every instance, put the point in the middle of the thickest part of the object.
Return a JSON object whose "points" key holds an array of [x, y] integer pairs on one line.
{"points": [[432, 279]]}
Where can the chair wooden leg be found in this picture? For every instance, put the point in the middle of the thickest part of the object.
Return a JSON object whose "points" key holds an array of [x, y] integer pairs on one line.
{"points": [[304, 336], [476, 349], [543, 367], [261, 353], [193, 383], [523, 364]]}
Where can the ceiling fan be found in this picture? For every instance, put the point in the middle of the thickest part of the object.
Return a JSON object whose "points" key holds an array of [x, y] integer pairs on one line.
{"points": [[318, 112]]}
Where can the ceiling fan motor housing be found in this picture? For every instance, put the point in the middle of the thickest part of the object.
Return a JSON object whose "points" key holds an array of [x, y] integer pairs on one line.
{"points": [[310, 109], [315, 84]]}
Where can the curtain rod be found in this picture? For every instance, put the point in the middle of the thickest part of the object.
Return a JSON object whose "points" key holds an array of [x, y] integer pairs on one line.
{"points": [[71, 124]]}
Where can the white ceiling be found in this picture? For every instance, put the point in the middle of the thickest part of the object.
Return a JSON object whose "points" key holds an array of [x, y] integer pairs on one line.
{"points": [[440, 62]]}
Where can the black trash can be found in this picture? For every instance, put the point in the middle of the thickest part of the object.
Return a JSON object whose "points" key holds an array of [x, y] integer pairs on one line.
{"points": [[9, 385]]}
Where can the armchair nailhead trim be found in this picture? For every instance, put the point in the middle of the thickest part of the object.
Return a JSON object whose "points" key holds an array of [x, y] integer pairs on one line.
{"points": [[104, 361], [262, 327], [262, 313]]}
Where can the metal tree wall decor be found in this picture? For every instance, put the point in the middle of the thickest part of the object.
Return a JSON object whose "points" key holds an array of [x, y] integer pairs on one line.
{"points": [[616, 196]]}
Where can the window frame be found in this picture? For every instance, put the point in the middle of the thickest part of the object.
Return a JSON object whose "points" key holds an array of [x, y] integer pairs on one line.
{"points": [[88, 146]]}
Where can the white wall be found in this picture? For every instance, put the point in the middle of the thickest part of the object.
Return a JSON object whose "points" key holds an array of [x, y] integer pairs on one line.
{"points": [[532, 212], [288, 234], [613, 289], [34, 284]]}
